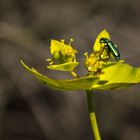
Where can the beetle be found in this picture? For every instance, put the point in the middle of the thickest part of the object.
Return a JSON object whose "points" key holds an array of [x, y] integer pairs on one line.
{"points": [[111, 47]]}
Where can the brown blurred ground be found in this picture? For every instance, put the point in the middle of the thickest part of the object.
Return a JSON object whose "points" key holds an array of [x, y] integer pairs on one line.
{"points": [[31, 111]]}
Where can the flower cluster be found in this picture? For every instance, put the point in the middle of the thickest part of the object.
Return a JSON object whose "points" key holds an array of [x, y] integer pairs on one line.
{"points": [[100, 55], [64, 55], [61, 52]]}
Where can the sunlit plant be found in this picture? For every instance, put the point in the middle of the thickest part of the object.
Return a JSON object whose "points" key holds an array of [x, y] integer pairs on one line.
{"points": [[105, 71]]}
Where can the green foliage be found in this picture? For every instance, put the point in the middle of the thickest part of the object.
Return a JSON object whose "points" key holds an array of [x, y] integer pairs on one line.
{"points": [[64, 67], [118, 76], [76, 84], [115, 76]]}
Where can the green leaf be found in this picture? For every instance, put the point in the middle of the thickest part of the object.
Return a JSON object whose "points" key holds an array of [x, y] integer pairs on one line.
{"points": [[115, 76], [74, 84], [118, 76], [64, 67], [108, 64]]}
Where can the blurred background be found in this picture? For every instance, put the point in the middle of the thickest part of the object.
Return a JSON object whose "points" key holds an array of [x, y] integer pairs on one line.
{"points": [[32, 111]]}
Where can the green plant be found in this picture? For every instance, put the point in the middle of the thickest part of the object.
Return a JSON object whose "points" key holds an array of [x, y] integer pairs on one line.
{"points": [[103, 73]]}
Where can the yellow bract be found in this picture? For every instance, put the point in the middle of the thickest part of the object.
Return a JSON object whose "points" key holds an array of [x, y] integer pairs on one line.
{"points": [[94, 62], [55, 46], [97, 46]]}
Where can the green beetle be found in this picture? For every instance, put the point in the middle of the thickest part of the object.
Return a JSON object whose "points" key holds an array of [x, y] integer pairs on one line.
{"points": [[111, 47]]}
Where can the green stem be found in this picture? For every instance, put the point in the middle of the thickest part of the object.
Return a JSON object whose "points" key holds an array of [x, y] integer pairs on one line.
{"points": [[73, 74], [92, 116]]}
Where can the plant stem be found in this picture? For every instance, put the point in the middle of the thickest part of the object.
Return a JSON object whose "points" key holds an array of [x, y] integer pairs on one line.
{"points": [[73, 74], [92, 116]]}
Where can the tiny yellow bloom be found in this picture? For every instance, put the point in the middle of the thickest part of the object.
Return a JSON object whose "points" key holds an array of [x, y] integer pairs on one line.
{"points": [[62, 52]]}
